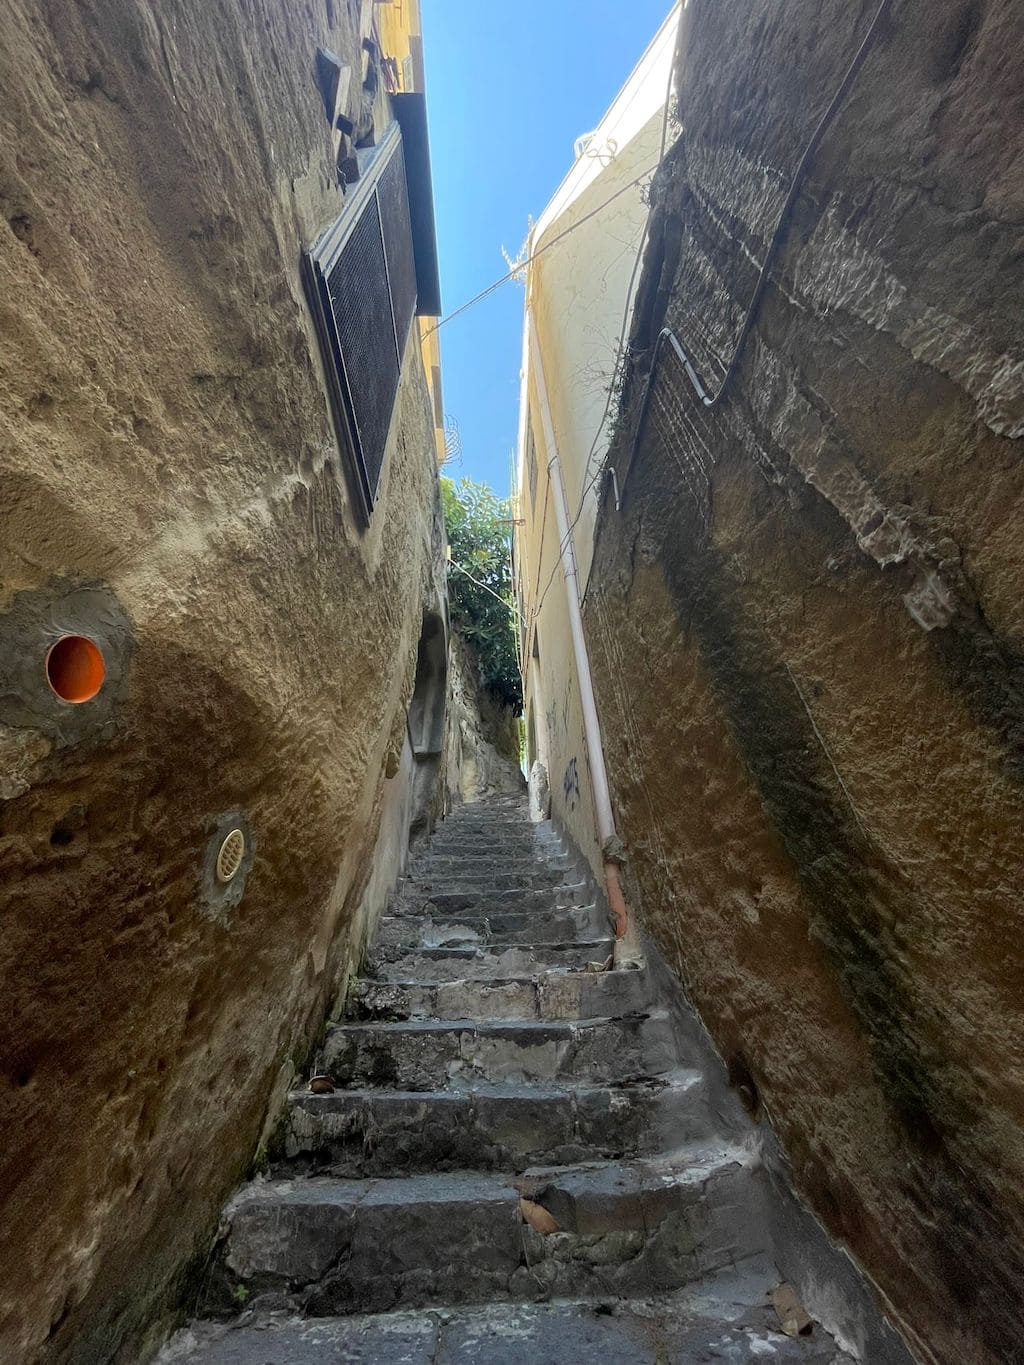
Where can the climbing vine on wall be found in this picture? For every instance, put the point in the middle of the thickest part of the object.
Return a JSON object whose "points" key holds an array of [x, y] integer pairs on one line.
{"points": [[478, 523]]}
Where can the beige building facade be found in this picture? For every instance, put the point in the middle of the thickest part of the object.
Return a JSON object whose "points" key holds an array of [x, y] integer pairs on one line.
{"points": [[580, 280]]}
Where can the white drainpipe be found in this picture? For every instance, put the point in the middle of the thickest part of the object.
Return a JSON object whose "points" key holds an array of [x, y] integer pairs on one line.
{"points": [[591, 725]]}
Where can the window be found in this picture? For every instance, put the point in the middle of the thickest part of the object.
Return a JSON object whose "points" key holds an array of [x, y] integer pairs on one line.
{"points": [[360, 279]]}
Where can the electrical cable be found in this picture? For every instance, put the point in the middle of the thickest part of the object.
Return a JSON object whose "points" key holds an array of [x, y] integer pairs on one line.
{"points": [[666, 334], [508, 605], [522, 265], [620, 347]]}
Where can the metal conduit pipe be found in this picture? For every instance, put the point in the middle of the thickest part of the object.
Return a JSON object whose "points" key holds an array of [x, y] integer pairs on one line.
{"points": [[591, 725]]}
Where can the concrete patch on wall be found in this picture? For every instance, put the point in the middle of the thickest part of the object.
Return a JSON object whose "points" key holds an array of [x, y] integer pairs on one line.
{"points": [[32, 624]]}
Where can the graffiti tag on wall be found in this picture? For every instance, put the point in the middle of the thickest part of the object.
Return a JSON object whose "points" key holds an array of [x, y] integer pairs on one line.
{"points": [[571, 784]]}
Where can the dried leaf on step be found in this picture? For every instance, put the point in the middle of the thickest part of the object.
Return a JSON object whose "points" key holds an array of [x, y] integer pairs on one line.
{"points": [[793, 1317], [600, 966], [538, 1217]]}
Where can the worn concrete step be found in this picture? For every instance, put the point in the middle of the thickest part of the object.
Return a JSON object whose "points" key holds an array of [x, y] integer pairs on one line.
{"points": [[473, 854], [493, 873], [545, 995], [490, 810], [460, 843], [493, 869], [483, 901], [501, 821], [497, 883], [518, 801], [496, 825], [344, 1246], [436, 931], [733, 1328], [492, 962], [433, 1055], [484, 851], [496, 1127]]}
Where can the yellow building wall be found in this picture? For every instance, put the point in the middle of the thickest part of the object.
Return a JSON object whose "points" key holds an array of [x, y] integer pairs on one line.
{"points": [[398, 30], [554, 715]]}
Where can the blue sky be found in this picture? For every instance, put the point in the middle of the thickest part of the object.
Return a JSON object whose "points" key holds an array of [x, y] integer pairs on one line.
{"points": [[509, 89]]}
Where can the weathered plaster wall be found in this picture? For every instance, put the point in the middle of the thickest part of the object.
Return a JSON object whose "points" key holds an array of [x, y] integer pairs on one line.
{"points": [[578, 297], [551, 696], [165, 442], [807, 627]]}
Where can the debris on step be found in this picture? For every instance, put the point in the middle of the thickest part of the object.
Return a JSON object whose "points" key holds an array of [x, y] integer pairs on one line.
{"points": [[793, 1317], [538, 1217]]}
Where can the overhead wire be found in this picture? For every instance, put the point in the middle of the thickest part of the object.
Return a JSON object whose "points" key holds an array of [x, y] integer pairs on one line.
{"points": [[620, 347], [520, 266], [509, 605], [666, 334]]}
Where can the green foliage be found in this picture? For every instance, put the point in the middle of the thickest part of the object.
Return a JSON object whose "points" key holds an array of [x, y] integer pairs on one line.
{"points": [[479, 524]]}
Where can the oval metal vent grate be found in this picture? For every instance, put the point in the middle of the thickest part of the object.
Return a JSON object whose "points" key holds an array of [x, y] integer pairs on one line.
{"points": [[229, 858]]}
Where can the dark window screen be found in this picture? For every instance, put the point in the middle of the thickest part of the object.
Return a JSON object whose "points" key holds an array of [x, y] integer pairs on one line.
{"points": [[394, 212], [358, 290], [361, 282]]}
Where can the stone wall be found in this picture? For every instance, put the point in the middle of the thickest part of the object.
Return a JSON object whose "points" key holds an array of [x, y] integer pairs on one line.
{"points": [[481, 737], [808, 629], [170, 484]]}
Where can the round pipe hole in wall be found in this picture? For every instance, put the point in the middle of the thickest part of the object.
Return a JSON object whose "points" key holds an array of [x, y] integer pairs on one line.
{"points": [[75, 668]]}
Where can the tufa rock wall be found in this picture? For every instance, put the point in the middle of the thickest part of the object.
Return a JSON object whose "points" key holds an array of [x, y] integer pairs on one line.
{"points": [[170, 486], [481, 737], [808, 629]]}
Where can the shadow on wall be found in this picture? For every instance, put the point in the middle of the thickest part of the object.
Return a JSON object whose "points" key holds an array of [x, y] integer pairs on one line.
{"points": [[426, 719]]}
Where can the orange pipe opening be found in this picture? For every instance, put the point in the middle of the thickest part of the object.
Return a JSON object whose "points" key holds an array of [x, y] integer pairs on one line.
{"points": [[75, 669]]}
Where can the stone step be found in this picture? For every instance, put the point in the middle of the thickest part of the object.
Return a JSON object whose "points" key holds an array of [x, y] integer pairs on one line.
{"points": [[456, 1054], [468, 849], [456, 843], [374, 1132], [549, 995], [496, 819], [499, 824], [492, 962], [490, 809], [343, 1246], [487, 863], [435, 931], [511, 801], [733, 1326], [481, 901], [538, 878]]}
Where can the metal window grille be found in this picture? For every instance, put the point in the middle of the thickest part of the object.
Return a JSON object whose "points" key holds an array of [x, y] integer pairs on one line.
{"points": [[360, 279]]}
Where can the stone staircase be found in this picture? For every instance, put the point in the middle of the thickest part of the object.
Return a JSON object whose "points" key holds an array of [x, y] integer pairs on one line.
{"points": [[512, 1157]]}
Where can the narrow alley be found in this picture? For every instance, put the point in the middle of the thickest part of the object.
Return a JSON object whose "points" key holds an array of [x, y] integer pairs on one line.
{"points": [[511, 682], [503, 1118]]}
